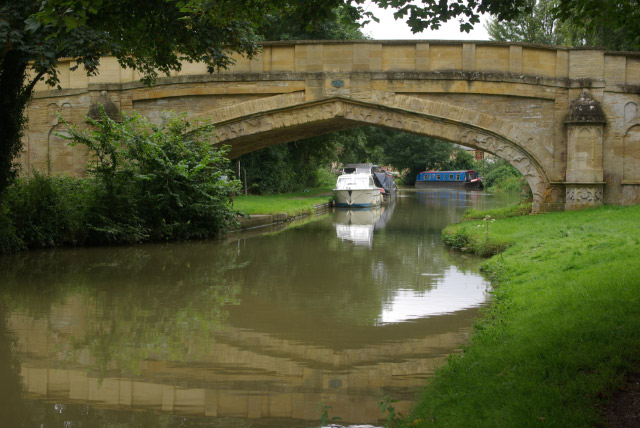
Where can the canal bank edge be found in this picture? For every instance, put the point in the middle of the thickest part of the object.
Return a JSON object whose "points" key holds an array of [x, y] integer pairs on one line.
{"points": [[254, 221], [554, 347]]}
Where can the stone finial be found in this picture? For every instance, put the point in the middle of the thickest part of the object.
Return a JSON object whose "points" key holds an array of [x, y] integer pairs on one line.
{"points": [[585, 109], [110, 108]]}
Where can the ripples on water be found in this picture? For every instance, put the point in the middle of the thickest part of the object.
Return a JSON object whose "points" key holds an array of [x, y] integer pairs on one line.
{"points": [[250, 331]]}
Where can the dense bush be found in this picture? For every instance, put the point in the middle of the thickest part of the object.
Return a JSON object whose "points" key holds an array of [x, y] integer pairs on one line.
{"points": [[48, 211], [143, 182], [501, 176], [158, 182]]}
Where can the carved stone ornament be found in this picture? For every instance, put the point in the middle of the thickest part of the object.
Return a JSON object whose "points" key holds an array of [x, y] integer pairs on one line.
{"points": [[585, 109], [110, 108], [584, 195], [505, 150]]}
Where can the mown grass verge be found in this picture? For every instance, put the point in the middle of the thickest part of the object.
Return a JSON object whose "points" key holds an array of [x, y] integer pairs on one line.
{"points": [[289, 203], [562, 329], [523, 208]]}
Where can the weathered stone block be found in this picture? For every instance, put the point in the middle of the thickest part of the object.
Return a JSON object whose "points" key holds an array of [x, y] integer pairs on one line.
{"points": [[586, 64], [445, 57], [398, 58], [492, 58], [541, 62]]}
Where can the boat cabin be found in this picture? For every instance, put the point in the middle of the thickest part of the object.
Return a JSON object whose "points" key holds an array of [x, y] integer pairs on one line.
{"points": [[447, 176]]}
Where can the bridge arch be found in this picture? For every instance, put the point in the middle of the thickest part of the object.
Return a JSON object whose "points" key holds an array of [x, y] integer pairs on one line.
{"points": [[256, 124]]}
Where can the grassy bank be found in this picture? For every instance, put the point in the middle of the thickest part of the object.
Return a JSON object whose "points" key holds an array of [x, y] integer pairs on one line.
{"points": [[562, 330], [289, 203], [505, 212]]}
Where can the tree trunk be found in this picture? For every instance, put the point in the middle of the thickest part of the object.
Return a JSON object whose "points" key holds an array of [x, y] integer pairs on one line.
{"points": [[14, 96]]}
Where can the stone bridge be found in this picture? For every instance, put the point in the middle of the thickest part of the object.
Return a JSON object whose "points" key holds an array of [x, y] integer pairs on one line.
{"points": [[566, 118]]}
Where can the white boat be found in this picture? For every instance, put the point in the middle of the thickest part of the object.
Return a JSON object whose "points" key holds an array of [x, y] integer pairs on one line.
{"points": [[357, 190]]}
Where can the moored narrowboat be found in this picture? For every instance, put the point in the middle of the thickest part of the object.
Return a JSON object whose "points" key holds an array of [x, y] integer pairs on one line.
{"points": [[468, 178]]}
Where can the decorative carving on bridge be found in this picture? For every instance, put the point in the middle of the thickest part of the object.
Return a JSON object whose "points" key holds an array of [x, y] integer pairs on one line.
{"points": [[630, 112], [508, 151], [583, 196], [585, 109], [110, 108]]}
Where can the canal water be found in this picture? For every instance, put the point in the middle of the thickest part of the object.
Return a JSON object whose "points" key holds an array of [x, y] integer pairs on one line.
{"points": [[253, 331]]}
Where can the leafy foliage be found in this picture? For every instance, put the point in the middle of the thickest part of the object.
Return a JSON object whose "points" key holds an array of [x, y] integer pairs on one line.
{"points": [[540, 25], [499, 175], [431, 14], [338, 23], [145, 182], [286, 167], [614, 24], [414, 153], [611, 24], [162, 182], [47, 211]]}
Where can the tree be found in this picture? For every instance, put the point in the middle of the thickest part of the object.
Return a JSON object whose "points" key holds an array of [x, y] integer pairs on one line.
{"points": [[540, 25], [339, 23], [413, 152], [430, 14], [460, 160], [614, 24], [611, 24]]}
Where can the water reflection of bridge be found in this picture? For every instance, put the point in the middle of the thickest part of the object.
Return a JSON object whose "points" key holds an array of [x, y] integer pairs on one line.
{"points": [[243, 373]]}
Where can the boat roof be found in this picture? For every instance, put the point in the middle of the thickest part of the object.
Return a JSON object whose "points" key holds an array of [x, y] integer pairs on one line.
{"points": [[355, 174], [359, 165], [447, 172]]}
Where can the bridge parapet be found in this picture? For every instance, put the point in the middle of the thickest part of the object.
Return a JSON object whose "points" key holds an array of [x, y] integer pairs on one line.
{"points": [[572, 67]]}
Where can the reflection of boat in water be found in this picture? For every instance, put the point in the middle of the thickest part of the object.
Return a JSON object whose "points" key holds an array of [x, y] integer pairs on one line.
{"points": [[356, 187], [468, 179], [357, 225]]}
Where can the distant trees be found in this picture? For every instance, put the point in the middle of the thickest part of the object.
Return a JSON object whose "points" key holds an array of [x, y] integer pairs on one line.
{"points": [[535, 23], [612, 24]]}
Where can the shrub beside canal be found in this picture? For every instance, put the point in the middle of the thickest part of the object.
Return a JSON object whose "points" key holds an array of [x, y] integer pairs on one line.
{"points": [[144, 182], [562, 329]]}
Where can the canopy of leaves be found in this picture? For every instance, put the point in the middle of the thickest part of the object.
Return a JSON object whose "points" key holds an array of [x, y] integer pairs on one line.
{"points": [[340, 23], [614, 24], [430, 14], [540, 25], [158, 182]]}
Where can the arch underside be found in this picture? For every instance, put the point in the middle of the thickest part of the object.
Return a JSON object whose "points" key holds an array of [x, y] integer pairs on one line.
{"points": [[261, 128]]}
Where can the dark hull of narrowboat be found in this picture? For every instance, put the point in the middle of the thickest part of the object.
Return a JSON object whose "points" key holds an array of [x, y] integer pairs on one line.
{"points": [[477, 184]]}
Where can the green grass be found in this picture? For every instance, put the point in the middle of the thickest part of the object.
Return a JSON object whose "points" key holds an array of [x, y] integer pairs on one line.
{"points": [[562, 330], [506, 212], [289, 203]]}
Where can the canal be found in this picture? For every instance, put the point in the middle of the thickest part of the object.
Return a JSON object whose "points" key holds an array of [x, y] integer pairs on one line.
{"points": [[252, 331]]}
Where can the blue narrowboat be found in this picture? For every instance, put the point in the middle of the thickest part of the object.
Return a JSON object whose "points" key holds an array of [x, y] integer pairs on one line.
{"points": [[468, 178]]}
